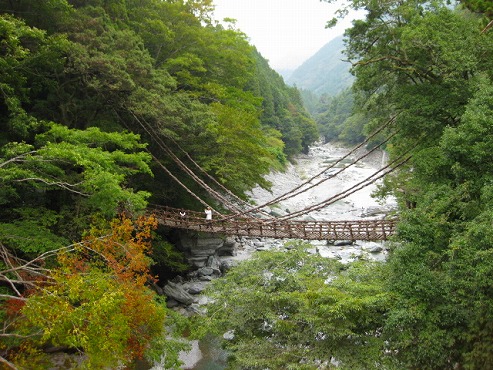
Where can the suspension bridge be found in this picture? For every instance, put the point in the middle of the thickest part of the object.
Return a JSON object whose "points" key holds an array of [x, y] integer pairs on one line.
{"points": [[368, 230], [249, 221]]}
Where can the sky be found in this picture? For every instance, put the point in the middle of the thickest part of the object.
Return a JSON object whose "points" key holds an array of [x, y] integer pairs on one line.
{"points": [[285, 32]]}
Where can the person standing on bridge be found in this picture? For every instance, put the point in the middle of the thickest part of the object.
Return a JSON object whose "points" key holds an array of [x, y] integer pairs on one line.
{"points": [[183, 216], [208, 214]]}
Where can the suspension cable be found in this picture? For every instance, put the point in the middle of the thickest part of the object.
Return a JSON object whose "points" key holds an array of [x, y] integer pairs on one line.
{"points": [[229, 192], [177, 160], [167, 170], [360, 185], [293, 192], [296, 191]]}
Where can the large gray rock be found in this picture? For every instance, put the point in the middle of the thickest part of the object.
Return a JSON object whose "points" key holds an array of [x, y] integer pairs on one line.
{"points": [[207, 246], [373, 247], [178, 293], [205, 271], [199, 246], [341, 243], [214, 263], [227, 264], [197, 287], [229, 247]]}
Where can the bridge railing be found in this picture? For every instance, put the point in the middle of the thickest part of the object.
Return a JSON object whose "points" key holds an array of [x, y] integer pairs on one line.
{"points": [[294, 229]]}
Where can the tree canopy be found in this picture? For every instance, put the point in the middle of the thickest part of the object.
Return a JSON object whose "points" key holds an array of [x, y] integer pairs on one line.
{"points": [[97, 98], [294, 309], [430, 63]]}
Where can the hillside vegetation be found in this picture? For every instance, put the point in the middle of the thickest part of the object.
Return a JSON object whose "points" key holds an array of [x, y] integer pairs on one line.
{"points": [[96, 97], [326, 72]]}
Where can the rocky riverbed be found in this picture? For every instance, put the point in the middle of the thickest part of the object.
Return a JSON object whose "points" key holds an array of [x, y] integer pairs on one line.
{"points": [[185, 294]]}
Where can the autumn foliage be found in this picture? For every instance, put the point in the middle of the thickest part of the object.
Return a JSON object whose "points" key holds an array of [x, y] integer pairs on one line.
{"points": [[98, 302]]}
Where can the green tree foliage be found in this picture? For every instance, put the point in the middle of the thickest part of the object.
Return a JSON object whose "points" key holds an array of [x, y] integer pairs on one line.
{"points": [[481, 6], [166, 63], [336, 121], [90, 91], [431, 64], [282, 108], [295, 310], [64, 170]]}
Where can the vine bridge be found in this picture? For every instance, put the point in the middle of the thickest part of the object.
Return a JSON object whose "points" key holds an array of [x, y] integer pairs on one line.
{"points": [[246, 220], [368, 230]]}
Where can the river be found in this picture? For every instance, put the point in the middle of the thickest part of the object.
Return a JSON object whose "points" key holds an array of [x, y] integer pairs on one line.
{"points": [[206, 355]]}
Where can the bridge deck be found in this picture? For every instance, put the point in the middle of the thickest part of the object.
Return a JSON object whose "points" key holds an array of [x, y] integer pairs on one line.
{"points": [[271, 228]]}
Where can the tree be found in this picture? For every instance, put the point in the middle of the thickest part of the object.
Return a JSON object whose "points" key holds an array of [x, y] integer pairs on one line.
{"points": [[409, 60], [295, 310], [67, 164], [96, 301]]}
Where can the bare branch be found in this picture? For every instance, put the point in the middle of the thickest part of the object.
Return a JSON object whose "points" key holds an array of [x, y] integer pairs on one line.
{"points": [[63, 185], [488, 26], [12, 335], [17, 159], [8, 296], [8, 363]]}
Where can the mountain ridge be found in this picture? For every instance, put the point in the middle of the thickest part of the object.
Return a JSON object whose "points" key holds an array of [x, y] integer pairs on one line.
{"points": [[325, 72]]}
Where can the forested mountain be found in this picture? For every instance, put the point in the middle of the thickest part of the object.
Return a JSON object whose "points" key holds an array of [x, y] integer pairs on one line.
{"points": [[338, 119], [326, 72], [104, 105], [325, 81]]}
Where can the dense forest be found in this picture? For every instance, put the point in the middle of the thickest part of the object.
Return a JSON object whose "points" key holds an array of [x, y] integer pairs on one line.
{"points": [[424, 71], [104, 104], [103, 100]]}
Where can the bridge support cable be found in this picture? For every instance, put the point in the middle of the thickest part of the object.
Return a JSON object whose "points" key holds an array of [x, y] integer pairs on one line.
{"points": [[179, 182], [249, 207], [299, 189], [150, 131], [351, 152], [362, 184], [165, 169], [340, 196]]}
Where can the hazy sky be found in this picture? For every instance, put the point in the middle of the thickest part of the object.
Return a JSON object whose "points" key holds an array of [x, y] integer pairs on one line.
{"points": [[286, 32]]}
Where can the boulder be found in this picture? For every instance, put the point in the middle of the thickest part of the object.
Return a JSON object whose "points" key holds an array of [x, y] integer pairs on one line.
{"points": [[229, 247], [206, 246], [199, 246], [227, 264], [196, 287], [205, 271], [376, 250], [214, 263], [340, 243], [178, 293]]}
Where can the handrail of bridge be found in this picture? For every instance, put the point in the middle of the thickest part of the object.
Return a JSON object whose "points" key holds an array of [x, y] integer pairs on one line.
{"points": [[375, 229]]}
